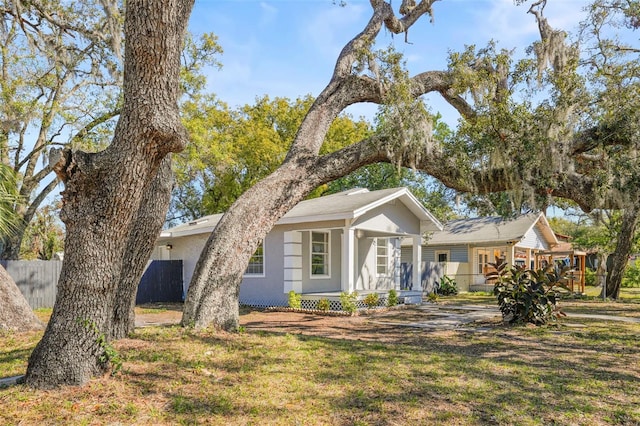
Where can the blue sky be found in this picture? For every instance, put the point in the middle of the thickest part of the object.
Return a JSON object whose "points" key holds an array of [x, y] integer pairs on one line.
{"points": [[288, 48]]}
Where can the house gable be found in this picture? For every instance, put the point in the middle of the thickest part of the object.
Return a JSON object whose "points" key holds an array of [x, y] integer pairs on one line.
{"points": [[393, 218], [536, 239]]}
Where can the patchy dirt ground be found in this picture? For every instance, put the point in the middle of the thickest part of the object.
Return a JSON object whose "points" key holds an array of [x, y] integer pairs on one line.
{"points": [[382, 326]]}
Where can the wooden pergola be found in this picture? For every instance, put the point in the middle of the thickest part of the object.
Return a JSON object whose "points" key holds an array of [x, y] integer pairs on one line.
{"points": [[577, 262]]}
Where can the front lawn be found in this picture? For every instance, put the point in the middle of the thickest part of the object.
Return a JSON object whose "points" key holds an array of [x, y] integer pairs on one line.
{"points": [[583, 372]]}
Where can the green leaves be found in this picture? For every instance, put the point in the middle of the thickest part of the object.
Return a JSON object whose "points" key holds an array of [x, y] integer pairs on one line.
{"points": [[527, 296], [231, 150], [8, 197]]}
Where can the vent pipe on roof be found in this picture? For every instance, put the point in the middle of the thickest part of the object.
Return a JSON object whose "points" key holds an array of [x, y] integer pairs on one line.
{"points": [[357, 191]]}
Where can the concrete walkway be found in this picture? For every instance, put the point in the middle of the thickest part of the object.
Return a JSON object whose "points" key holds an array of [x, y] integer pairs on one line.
{"points": [[10, 381], [448, 317]]}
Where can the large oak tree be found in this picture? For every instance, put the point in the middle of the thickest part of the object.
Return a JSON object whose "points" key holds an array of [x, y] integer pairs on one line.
{"points": [[104, 196], [556, 148]]}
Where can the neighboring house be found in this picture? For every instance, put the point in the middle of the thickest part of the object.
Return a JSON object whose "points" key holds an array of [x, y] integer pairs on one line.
{"points": [[343, 242], [465, 248]]}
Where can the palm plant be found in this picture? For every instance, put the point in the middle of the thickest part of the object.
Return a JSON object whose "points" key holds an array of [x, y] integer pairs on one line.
{"points": [[8, 197]]}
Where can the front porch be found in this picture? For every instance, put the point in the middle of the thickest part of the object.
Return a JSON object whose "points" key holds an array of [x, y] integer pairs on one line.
{"points": [[324, 262], [310, 300]]}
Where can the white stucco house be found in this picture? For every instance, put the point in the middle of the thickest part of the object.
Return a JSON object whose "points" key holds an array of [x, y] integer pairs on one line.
{"points": [[464, 248], [345, 242]]}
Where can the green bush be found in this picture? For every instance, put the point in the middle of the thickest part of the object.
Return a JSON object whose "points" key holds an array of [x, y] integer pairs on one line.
{"points": [[448, 286], [349, 301], [392, 298], [372, 300], [527, 296], [631, 277], [324, 305], [294, 300], [590, 277]]}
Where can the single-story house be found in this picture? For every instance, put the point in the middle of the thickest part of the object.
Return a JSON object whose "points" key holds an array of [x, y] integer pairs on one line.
{"points": [[464, 248], [344, 242]]}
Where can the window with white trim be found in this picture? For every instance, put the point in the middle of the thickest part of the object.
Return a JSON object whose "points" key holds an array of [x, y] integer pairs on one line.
{"points": [[442, 256], [256, 263], [319, 254], [382, 257]]}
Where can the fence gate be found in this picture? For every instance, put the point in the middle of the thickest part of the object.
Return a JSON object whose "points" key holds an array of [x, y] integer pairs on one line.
{"points": [[161, 282]]}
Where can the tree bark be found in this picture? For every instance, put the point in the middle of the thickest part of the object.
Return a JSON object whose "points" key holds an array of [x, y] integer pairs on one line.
{"points": [[15, 312], [103, 194], [212, 297], [147, 226], [624, 243]]}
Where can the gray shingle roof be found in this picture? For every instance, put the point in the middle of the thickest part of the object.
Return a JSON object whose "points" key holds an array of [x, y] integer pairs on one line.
{"points": [[343, 205], [484, 230]]}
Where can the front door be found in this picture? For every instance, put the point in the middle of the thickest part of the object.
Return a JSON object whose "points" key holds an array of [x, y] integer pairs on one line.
{"points": [[481, 265]]}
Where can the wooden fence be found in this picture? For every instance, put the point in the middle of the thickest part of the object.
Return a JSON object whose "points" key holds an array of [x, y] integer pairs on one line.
{"points": [[38, 281]]}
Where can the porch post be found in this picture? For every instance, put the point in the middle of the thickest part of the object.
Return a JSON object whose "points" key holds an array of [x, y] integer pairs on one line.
{"points": [[348, 265], [293, 261], [397, 273], [417, 264], [511, 258]]}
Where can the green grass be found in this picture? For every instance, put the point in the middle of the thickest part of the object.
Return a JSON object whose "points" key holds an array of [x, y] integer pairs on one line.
{"points": [[582, 373]]}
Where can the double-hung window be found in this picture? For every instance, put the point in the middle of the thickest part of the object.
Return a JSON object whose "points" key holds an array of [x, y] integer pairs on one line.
{"points": [[256, 263], [319, 254], [382, 257]]}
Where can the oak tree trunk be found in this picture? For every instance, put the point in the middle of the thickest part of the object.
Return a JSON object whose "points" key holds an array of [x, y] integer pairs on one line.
{"points": [[621, 254], [146, 228], [15, 312], [103, 196], [212, 298]]}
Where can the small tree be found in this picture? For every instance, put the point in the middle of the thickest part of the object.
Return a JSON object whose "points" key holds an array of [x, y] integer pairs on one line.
{"points": [[527, 296]]}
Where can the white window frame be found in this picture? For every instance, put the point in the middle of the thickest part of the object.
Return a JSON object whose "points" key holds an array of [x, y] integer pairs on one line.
{"points": [[386, 256], [257, 275], [439, 252], [326, 254]]}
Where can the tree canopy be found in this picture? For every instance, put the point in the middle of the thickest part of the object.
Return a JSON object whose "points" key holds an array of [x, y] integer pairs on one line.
{"points": [[61, 74]]}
